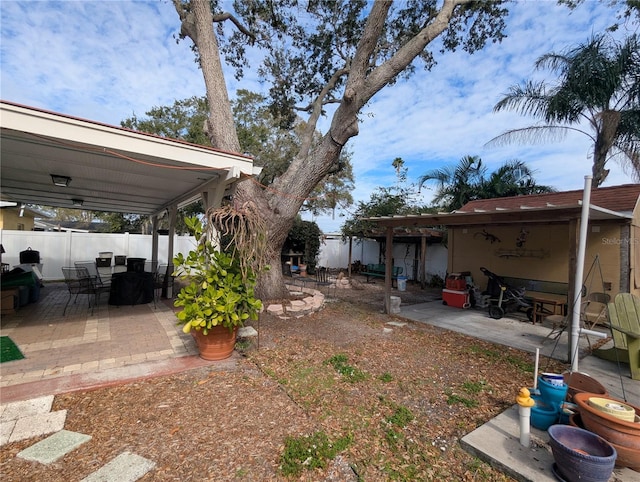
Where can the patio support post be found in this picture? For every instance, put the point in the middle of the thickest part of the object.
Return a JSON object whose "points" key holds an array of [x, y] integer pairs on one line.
{"points": [[154, 241], [167, 289], [350, 254], [582, 246], [388, 263], [423, 261]]}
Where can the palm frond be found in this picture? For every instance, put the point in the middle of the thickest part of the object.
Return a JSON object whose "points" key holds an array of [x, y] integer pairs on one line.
{"points": [[531, 135]]}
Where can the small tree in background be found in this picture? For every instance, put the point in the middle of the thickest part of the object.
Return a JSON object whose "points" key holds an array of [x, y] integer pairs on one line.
{"points": [[467, 181]]}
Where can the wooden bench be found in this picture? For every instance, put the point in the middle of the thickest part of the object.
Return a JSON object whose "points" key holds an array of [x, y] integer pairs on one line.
{"points": [[546, 297], [379, 271], [624, 315]]}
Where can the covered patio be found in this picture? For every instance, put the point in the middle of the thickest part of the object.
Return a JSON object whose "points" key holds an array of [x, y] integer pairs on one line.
{"points": [[49, 159]]}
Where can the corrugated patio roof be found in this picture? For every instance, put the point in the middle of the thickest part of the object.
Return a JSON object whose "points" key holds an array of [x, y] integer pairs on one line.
{"points": [[622, 199], [616, 202]]}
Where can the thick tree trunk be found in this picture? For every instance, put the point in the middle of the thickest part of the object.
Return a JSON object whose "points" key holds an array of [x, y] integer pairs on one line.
{"points": [[281, 202], [606, 133]]}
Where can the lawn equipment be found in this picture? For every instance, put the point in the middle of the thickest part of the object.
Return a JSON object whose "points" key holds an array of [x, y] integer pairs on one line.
{"points": [[504, 298]]}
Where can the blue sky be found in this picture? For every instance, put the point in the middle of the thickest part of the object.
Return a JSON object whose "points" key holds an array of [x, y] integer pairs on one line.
{"points": [[108, 60]]}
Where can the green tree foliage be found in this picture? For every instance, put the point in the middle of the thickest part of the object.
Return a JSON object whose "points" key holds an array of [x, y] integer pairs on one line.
{"points": [[182, 120], [468, 181], [628, 11], [384, 201], [598, 84]]}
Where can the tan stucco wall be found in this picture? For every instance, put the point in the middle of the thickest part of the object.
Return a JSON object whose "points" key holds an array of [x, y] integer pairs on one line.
{"points": [[545, 253], [10, 219]]}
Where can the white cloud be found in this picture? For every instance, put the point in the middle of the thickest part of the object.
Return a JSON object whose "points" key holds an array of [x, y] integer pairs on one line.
{"points": [[106, 61]]}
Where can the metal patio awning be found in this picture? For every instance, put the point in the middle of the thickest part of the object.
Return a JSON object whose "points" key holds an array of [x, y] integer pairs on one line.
{"points": [[108, 168]]}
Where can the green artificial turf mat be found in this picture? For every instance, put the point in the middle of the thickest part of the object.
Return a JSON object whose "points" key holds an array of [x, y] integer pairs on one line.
{"points": [[9, 351]]}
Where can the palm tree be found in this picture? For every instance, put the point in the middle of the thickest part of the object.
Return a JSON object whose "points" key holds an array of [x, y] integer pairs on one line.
{"points": [[467, 181], [599, 82], [456, 184]]}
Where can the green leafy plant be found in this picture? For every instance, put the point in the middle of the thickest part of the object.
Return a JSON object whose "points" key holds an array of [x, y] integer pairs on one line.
{"points": [[401, 417], [474, 387], [386, 377], [454, 399], [310, 452], [352, 374], [220, 290]]}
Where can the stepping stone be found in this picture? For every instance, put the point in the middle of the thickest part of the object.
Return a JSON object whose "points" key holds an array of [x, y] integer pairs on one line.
{"points": [[397, 323], [126, 467], [23, 408], [38, 424], [6, 428], [247, 331], [54, 447]]}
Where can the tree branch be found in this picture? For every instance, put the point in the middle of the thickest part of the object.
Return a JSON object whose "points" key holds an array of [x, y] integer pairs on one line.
{"points": [[221, 17]]}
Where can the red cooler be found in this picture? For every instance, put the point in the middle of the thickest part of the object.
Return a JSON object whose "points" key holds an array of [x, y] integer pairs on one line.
{"points": [[457, 299]]}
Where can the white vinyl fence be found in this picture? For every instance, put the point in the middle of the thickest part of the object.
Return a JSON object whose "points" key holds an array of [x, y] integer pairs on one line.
{"points": [[58, 249], [334, 253]]}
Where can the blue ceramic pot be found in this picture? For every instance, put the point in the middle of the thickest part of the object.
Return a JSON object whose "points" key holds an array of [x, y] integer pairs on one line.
{"points": [[553, 395], [581, 455], [543, 415]]}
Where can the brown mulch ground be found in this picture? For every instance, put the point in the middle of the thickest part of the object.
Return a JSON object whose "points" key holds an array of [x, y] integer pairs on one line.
{"points": [[405, 399]]}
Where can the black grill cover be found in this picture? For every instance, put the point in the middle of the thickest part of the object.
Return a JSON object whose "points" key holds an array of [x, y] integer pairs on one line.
{"points": [[29, 256], [131, 288]]}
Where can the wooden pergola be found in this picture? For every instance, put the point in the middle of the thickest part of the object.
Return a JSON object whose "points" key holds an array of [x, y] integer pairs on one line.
{"points": [[565, 214]]}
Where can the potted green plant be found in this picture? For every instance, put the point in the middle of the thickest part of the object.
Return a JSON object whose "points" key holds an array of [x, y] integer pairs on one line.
{"points": [[219, 295]]}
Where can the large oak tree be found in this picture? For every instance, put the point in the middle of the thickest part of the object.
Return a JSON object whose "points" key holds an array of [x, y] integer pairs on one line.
{"points": [[320, 58]]}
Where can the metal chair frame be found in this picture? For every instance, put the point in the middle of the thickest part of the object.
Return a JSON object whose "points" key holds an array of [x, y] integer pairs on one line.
{"points": [[80, 282]]}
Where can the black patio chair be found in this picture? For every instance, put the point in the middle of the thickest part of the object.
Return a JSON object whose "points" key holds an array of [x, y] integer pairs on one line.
{"points": [[323, 280], [94, 272], [159, 278], [79, 282]]}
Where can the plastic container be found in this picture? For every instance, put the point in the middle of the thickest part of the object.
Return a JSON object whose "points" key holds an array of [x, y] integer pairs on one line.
{"points": [[103, 262], [402, 283], [120, 260], [457, 299], [456, 282], [136, 264], [395, 301]]}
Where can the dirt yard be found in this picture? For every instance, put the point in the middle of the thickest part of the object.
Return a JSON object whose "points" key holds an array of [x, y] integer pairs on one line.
{"points": [[333, 396]]}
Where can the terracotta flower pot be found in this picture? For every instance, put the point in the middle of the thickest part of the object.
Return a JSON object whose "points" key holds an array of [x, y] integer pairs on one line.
{"points": [[623, 435], [580, 383], [217, 344]]}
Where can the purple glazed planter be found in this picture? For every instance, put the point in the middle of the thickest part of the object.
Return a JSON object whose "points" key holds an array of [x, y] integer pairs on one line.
{"points": [[581, 455]]}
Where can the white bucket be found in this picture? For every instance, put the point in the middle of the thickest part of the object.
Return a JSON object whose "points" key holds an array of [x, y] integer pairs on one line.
{"points": [[402, 283]]}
